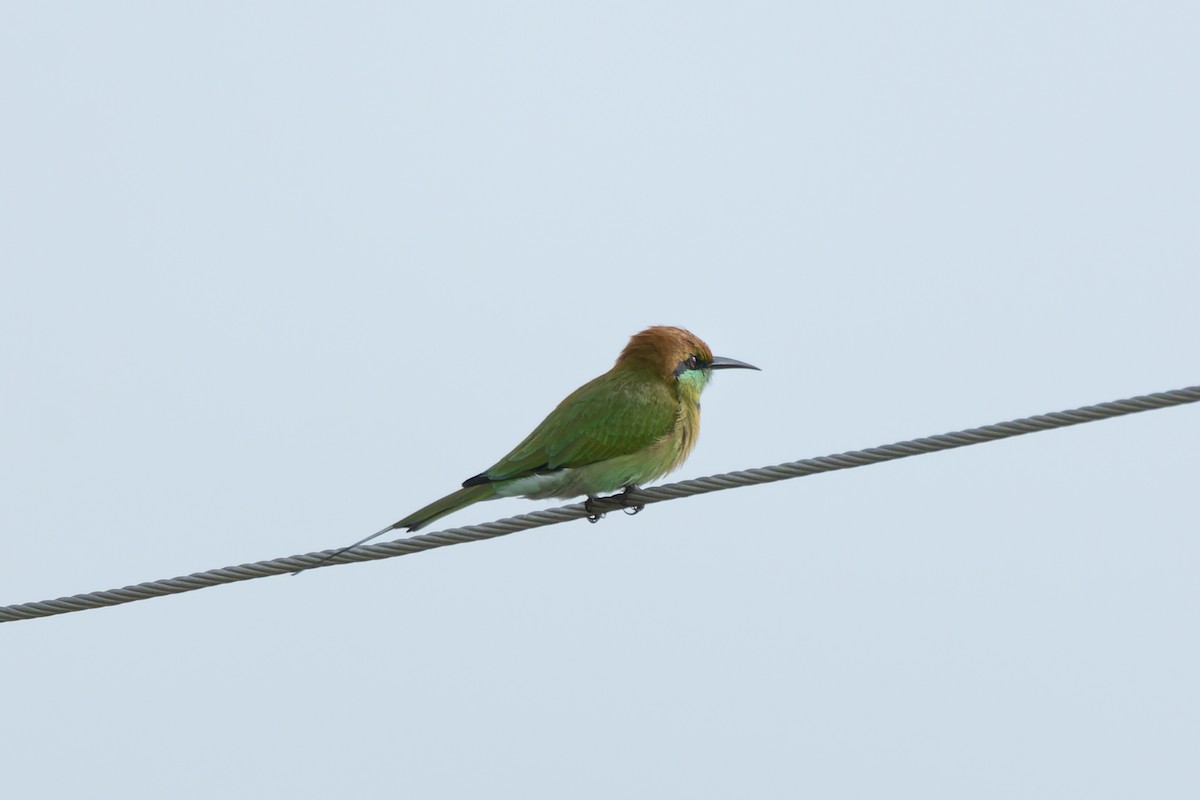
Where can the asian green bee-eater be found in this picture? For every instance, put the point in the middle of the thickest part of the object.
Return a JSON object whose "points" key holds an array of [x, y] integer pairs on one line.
{"points": [[632, 425]]}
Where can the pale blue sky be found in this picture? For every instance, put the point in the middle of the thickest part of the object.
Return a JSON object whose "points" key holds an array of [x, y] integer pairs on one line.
{"points": [[275, 276]]}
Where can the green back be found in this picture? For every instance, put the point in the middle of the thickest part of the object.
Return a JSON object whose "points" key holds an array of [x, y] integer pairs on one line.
{"points": [[618, 413]]}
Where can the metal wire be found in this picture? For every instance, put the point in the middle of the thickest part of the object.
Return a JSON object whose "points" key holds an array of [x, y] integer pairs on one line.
{"points": [[658, 494]]}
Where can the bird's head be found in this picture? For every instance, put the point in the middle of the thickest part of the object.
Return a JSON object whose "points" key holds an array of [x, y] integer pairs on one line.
{"points": [[677, 356]]}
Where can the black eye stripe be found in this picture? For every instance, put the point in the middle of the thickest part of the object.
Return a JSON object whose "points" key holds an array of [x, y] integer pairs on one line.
{"points": [[691, 363]]}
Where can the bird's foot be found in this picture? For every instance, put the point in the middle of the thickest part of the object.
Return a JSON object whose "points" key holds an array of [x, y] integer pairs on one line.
{"points": [[589, 506], [630, 509], [594, 515]]}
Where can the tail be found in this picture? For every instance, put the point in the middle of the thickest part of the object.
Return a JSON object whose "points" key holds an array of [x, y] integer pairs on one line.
{"points": [[452, 502], [468, 495]]}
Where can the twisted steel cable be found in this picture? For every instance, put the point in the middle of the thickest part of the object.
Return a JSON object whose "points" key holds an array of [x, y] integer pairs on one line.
{"points": [[639, 497]]}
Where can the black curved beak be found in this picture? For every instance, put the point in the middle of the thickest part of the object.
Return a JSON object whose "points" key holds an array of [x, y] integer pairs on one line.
{"points": [[729, 363]]}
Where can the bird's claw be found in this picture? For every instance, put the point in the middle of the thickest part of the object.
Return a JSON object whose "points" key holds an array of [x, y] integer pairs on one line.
{"points": [[593, 515], [628, 509]]}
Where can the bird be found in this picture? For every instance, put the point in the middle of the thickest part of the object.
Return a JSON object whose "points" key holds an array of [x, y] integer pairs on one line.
{"points": [[628, 427]]}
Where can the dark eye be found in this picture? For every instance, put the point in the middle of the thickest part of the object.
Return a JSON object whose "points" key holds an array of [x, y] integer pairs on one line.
{"points": [[693, 362]]}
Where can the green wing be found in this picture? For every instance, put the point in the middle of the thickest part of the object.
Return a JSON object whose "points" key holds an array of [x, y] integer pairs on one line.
{"points": [[613, 415]]}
